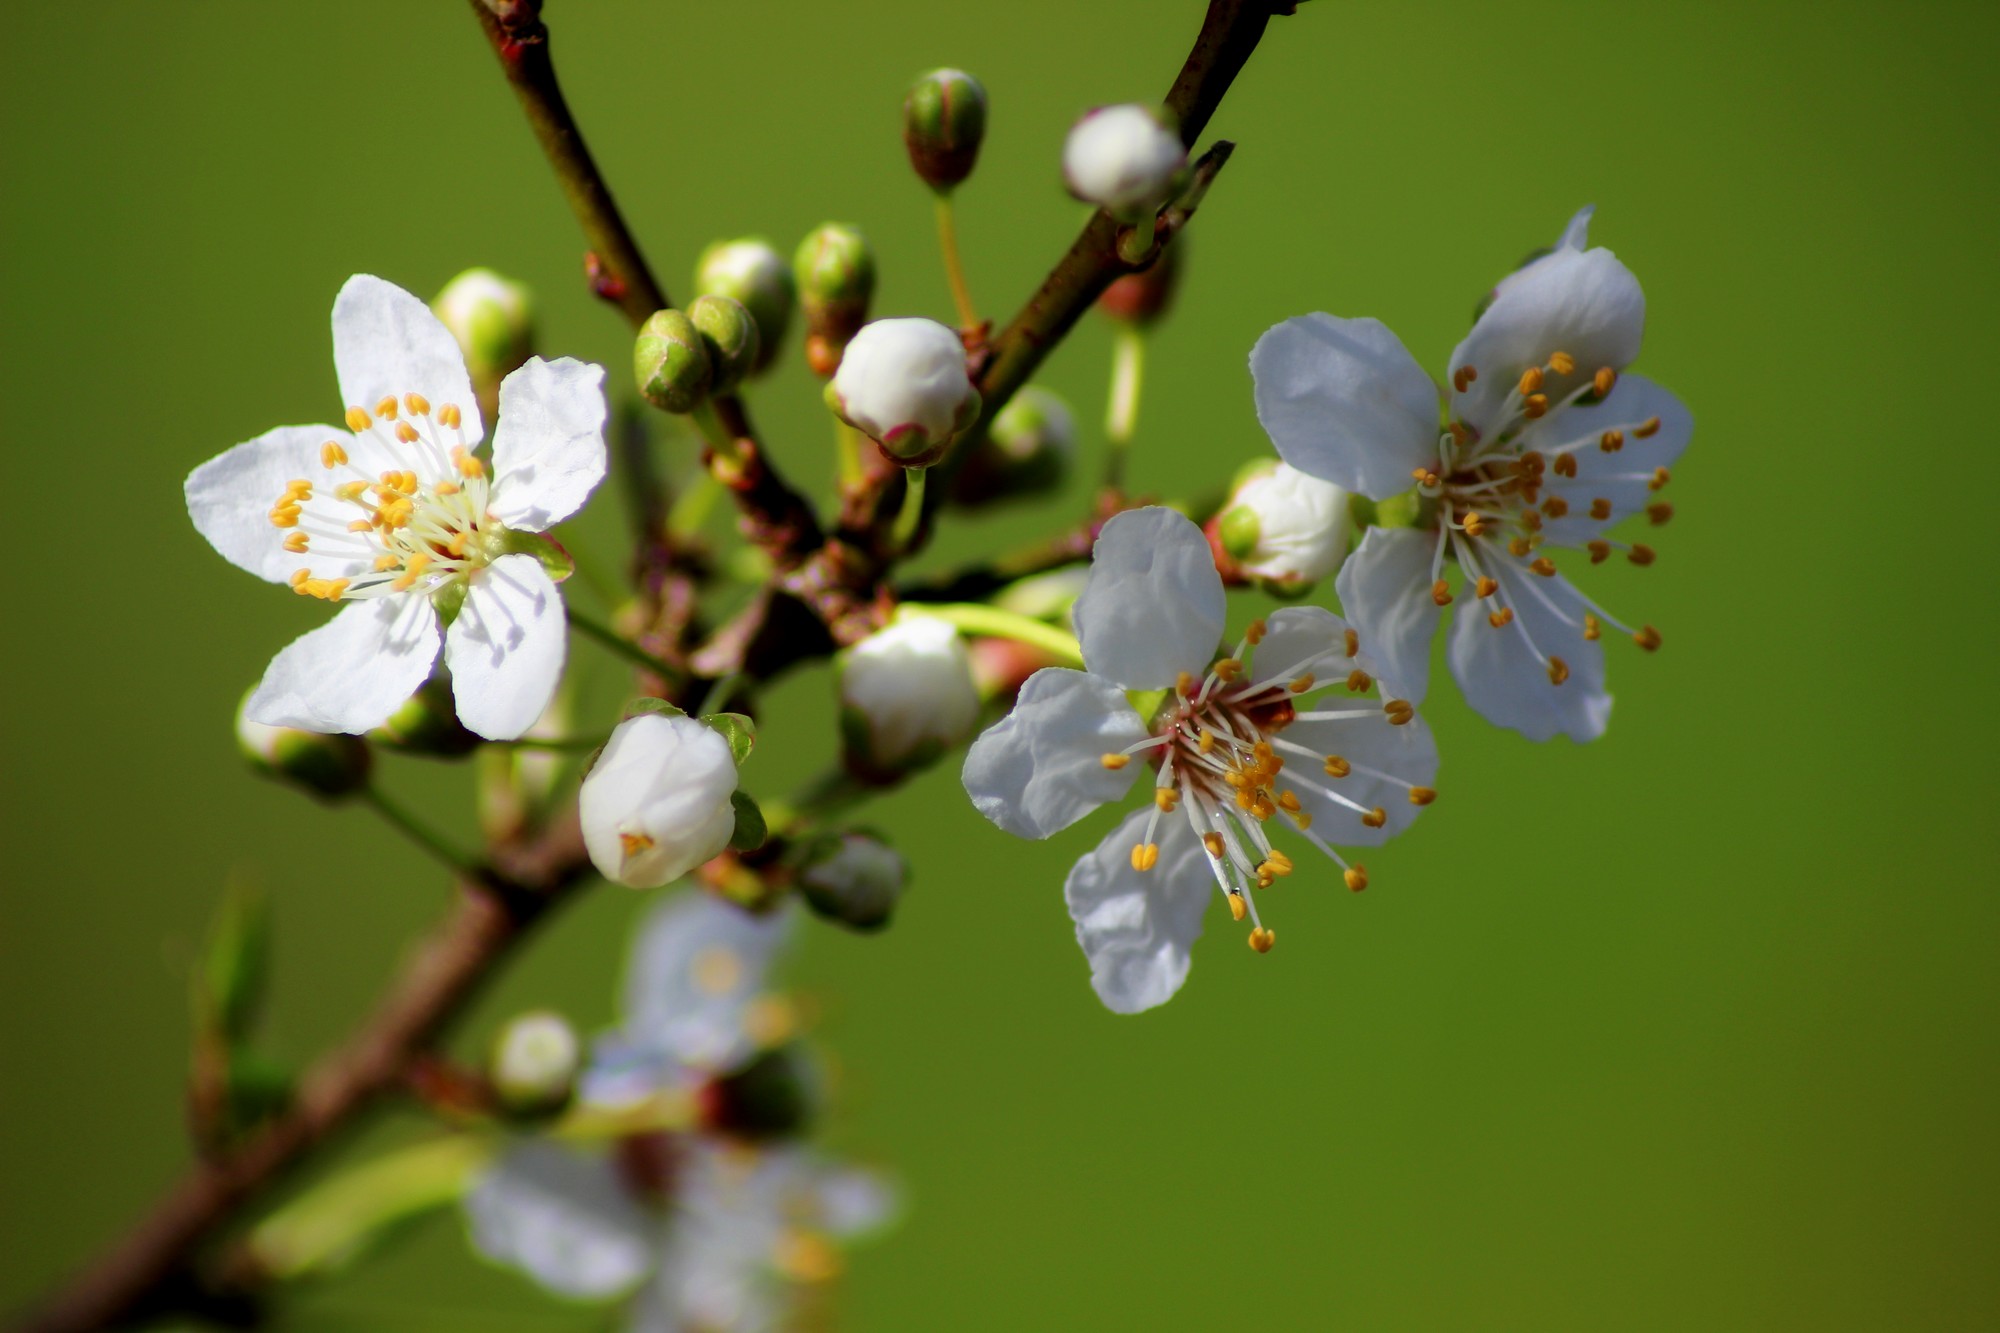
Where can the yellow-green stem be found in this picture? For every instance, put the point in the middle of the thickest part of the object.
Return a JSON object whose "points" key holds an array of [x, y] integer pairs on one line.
{"points": [[954, 271], [1121, 415], [993, 623]]}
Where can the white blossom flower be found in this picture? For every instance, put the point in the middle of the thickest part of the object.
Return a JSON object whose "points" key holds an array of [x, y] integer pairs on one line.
{"points": [[397, 517], [1233, 743], [657, 802], [745, 1229], [1123, 159], [534, 1062], [1284, 528], [1547, 444], [907, 693], [902, 382]]}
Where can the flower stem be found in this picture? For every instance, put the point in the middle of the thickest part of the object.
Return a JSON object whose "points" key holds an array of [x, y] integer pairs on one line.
{"points": [[993, 623], [847, 440], [692, 506], [1121, 414], [912, 512], [619, 644], [718, 694], [562, 744], [954, 271], [417, 831]]}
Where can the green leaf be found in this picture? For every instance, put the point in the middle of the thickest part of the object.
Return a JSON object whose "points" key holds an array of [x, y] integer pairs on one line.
{"points": [[544, 548], [750, 827], [645, 704], [235, 970], [738, 730], [336, 1223]]}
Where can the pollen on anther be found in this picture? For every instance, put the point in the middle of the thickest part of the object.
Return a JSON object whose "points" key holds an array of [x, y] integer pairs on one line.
{"points": [[1213, 842], [1441, 592], [1648, 428], [1184, 684], [386, 409], [1519, 547], [295, 542], [1114, 762], [1659, 513], [1502, 618], [634, 843], [448, 416], [1228, 669], [1358, 680], [358, 419], [406, 432], [1603, 381], [1562, 363], [1660, 478], [1611, 441], [1600, 550], [1558, 671], [1255, 632], [1356, 877], [1375, 818], [1487, 586], [1640, 554], [1302, 684], [1531, 381], [1145, 855], [332, 454], [1647, 638], [1474, 525], [1336, 767], [1423, 795], [419, 405], [1592, 628], [1542, 565], [299, 575], [1353, 642], [1555, 507], [1205, 741], [1600, 508], [1536, 406], [1426, 478], [1262, 938], [1399, 712], [1565, 465], [1237, 908], [1462, 379], [1166, 798]]}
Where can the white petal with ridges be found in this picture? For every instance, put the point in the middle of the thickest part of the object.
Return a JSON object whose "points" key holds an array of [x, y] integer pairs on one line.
{"points": [[1622, 477], [1385, 589], [351, 673], [387, 343], [230, 497], [506, 648], [1040, 768], [1384, 761], [548, 449], [1343, 400], [1137, 927], [1153, 606], [1503, 672]]}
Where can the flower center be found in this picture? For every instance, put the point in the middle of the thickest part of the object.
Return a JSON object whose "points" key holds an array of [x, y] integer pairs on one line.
{"points": [[421, 524]]}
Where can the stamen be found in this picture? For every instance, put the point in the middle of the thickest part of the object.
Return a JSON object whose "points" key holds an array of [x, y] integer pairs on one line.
{"points": [[1600, 508], [1399, 711], [1611, 441], [358, 419], [1648, 638], [1502, 618], [295, 542], [1184, 685], [332, 454], [1228, 669], [1441, 592], [406, 433], [1422, 795], [1591, 627], [1166, 798], [1213, 841], [634, 843], [1336, 767], [1255, 633], [1649, 428], [1555, 506], [1375, 818], [1659, 513], [1358, 680], [1531, 382], [1487, 586], [1463, 378], [1519, 547], [386, 409], [1536, 407], [1145, 855], [1660, 478], [1301, 684], [448, 416], [1262, 938], [1558, 671], [1353, 642], [1640, 554], [1356, 876], [1599, 551], [1542, 565], [1565, 465], [1562, 363], [1603, 381], [419, 405], [1114, 762], [1236, 907], [1474, 524]]}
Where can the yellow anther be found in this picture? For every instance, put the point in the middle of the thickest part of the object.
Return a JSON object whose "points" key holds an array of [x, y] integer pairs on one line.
{"points": [[1565, 465], [1536, 406], [1303, 819], [1205, 741], [1475, 525], [1423, 795], [446, 488], [1145, 855], [1375, 818], [1660, 478], [403, 582], [1462, 378], [1599, 551], [1359, 680], [1356, 877], [385, 563], [1255, 633], [1265, 879], [1237, 908], [1531, 463], [1601, 383], [1114, 762], [1302, 684], [361, 525], [1591, 627], [448, 416], [1245, 797], [1352, 642], [1278, 862], [1531, 519], [1399, 711], [1562, 363], [1214, 843], [1531, 381], [1288, 801], [1166, 798], [1262, 938], [332, 453], [1640, 554], [1647, 638], [1519, 547], [295, 542], [1502, 618], [1659, 512], [285, 516], [1441, 592], [1184, 685], [1555, 507], [1611, 441], [299, 576], [350, 491], [1487, 586], [419, 405], [1426, 478], [1542, 565], [456, 546], [1460, 434], [1228, 669], [1647, 429], [386, 409], [1600, 508], [1558, 671], [358, 419], [406, 432]]}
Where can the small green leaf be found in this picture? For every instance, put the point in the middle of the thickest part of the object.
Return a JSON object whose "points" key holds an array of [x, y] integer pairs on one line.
{"points": [[738, 730], [750, 828], [236, 967], [646, 704], [258, 1088], [544, 548]]}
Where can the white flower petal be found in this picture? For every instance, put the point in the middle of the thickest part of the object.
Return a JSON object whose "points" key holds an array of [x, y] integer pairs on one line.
{"points": [[1137, 927], [1040, 768], [351, 673], [506, 648], [657, 803], [1385, 589], [853, 1201], [1503, 672], [1624, 477], [1343, 400], [1576, 235], [697, 964], [1299, 639], [230, 497], [548, 450], [1153, 606], [563, 1218], [387, 343], [1583, 302], [1384, 762]]}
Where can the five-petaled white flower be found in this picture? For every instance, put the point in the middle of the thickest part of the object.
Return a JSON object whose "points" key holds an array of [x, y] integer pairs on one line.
{"points": [[1546, 444], [1233, 744], [397, 516]]}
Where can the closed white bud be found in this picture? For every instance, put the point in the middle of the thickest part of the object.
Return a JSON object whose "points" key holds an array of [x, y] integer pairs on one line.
{"points": [[1125, 159], [907, 695], [1284, 528], [902, 382], [493, 319], [657, 802], [855, 879], [534, 1063]]}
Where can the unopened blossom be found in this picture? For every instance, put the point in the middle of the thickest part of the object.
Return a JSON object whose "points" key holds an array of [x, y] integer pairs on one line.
{"points": [[397, 519], [1547, 445], [657, 802], [534, 1062], [1125, 159], [1284, 528], [907, 694], [902, 382], [855, 879], [1288, 731]]}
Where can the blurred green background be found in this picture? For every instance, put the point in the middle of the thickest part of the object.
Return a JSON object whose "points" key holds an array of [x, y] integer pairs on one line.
{"points": [[1691, 1028]]}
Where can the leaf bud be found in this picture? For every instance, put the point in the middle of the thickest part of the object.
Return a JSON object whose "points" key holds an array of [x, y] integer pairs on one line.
{"points": [[331, 767], [906, 696], [836, 272], [1027, 451], [658, 801], [493, 318], [1282, 529], [533, 1064], [670, 362], [854, 878], [752, 272], [1141, 298], [902, 382], [1128, 160], [427, 723], [944, 120], [728, 335]]}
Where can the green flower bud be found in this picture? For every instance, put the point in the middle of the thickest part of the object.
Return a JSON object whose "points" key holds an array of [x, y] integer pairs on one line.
{"points": [[836, 273], [1239, 531], [493, 318], [533, 1064], [752, 272], [944, 120], [1027, 451], [670, 361], [427, 723], [330, 767], [855, 879], [729, 336]]}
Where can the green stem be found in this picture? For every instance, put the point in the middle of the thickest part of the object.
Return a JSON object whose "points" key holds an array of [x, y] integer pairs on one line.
{"points": [[1121, 414], [417, 831], [693, 505], [561, 744], [718, 693], [720, 438], [620, 645], [954, 271], [908, 517], [993, 623], [848, 441]]}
